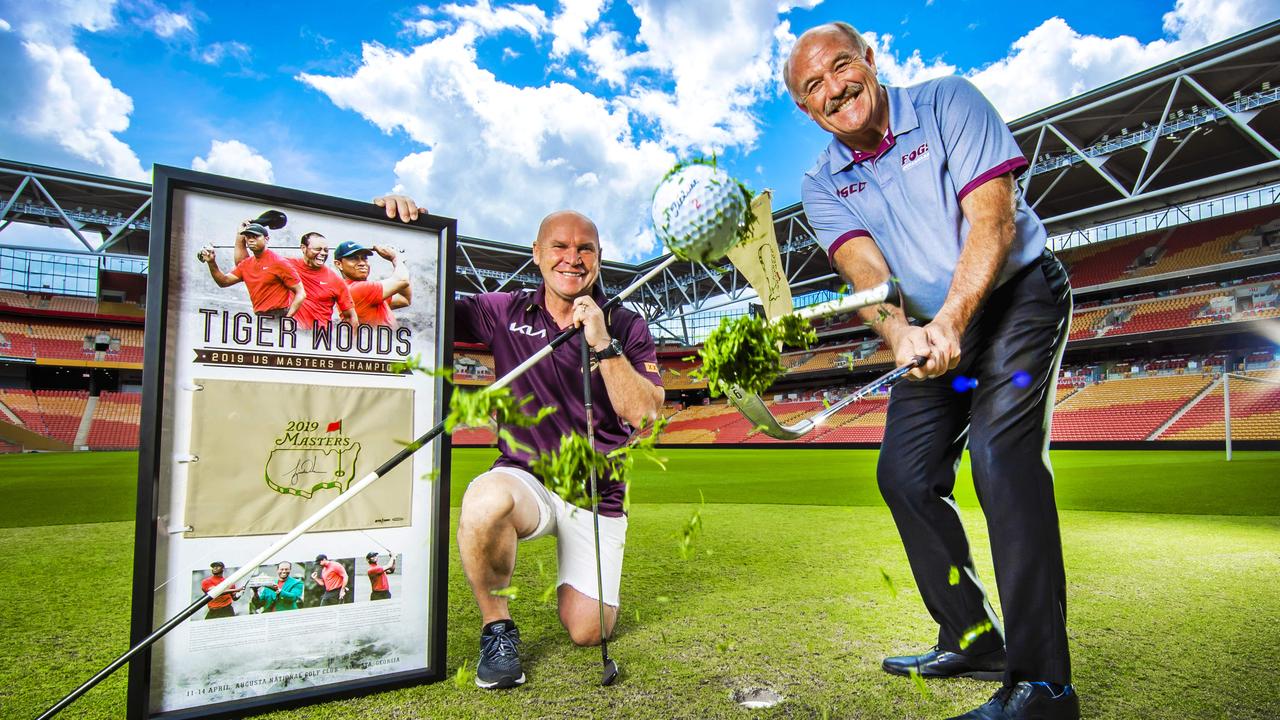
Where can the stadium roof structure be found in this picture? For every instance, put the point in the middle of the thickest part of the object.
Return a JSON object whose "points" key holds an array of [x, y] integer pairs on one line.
{"points": [[1204, 126]]}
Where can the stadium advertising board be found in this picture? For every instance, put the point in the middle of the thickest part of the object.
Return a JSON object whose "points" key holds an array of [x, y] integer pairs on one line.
{"points": [[276, 324]]}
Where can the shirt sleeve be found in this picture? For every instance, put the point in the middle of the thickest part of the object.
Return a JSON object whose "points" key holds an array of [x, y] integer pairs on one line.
{"points": [[343, 294], [833, 222], [474, 318], [978, 143], [287, 274], [367, 292], [638, 346]]}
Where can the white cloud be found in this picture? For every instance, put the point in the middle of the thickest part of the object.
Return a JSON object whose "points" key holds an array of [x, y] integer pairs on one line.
{"points": [[716, 78], [73, 111], [167, 24], [58, 108], [1200, 22], [49, 22], [498, 156], [1065, 62], [425, 28], [501, 156], [482, 17], [215, 53], [897, 71], [569, 27], [235, 159], [5, 26]]}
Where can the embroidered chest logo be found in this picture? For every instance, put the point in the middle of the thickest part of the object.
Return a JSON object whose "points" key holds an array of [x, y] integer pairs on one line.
{"points": [[851, 189], [528, 330], [913, 158]]}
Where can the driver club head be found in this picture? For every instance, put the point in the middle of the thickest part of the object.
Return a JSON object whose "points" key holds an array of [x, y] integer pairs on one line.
{"points": [[610, 672], [273, 219]]}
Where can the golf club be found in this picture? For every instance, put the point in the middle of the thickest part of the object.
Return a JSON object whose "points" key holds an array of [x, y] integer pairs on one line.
{"points": [[273, 219], [754, 409], [610, 670], [251, 565]]}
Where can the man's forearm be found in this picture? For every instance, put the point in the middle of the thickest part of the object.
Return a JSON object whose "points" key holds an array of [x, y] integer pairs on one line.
{"points": [[885, 319], [990, 212], [299, 295], [632, 395]]}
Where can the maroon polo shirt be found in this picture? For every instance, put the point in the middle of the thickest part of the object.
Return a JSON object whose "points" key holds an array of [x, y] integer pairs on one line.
{"points": [[515, 325]]}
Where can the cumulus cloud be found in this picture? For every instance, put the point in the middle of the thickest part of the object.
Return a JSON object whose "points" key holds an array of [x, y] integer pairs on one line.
{"points": [[904, 71], [499, 156], [58, 107], [1065, 62], [235, 159], [688, 80]]}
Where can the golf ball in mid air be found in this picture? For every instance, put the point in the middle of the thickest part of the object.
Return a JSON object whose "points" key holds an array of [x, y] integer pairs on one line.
{"points": [[697, 211]]}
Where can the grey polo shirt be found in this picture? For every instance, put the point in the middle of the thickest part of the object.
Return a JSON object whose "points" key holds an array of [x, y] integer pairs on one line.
{"points": [[944, 140]]}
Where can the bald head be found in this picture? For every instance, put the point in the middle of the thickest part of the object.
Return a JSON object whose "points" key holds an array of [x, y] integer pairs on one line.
{"points": [[570, 220], [567, 252], [841, 29]]}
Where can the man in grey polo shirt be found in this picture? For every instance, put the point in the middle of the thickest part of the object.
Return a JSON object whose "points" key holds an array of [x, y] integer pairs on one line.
{"points": [[918, 184], [508, 504]]}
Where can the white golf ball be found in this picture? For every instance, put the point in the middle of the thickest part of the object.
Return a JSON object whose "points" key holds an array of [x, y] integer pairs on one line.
{"points": [[697, 211]]}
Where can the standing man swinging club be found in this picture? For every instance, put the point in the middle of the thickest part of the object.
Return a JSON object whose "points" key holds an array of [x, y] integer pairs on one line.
{"points": [[918, 183]]}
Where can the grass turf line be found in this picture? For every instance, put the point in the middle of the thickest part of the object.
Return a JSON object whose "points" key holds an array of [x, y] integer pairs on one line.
{"points": [[1170, 615], [100, 487]]}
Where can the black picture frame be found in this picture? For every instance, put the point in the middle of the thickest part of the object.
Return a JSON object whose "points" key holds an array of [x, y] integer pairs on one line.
{"points": [[157, 368]]}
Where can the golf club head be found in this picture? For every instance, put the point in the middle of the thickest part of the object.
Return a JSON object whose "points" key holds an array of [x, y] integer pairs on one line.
{"points": [[610, 672], [754, 409], [273, 219]]}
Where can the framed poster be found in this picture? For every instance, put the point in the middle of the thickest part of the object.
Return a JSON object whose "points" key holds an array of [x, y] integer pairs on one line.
{"points": [[275, 322]]}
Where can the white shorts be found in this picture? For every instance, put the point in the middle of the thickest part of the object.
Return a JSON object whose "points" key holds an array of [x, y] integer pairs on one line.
{"points": [[575, 540]]}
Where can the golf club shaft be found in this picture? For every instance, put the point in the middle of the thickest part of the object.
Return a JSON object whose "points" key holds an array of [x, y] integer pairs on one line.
{"points": [[334, 504], [595, 500], [888, 378], [120, 661], [856, 301]]}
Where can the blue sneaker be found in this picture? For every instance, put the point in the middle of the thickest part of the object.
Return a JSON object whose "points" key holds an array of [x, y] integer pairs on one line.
{"points": [[499, 665]]}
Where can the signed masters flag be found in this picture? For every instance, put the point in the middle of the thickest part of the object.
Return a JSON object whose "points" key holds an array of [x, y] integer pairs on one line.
{"points": [[268, 455]]}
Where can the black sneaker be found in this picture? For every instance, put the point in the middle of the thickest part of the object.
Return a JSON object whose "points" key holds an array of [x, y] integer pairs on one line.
{"points": [[943, 664], [1028, 701], [499, 665]]}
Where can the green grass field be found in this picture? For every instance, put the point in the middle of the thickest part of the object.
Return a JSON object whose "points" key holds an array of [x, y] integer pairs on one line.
{"points": [[1173, 562]]}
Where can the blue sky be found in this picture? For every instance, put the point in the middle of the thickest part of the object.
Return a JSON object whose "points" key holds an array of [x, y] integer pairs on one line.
{"points": [[499, 112]]}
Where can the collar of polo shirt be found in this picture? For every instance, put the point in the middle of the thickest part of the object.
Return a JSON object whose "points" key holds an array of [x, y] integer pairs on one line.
{"points": [[902, 120]]}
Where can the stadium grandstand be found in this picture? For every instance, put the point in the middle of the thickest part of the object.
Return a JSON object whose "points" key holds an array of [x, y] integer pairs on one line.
{"points": [[1161, 193]]}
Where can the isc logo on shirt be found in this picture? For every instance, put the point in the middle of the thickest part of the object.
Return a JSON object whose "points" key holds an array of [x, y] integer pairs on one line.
{"points": [[915, 156], [851, 189]]}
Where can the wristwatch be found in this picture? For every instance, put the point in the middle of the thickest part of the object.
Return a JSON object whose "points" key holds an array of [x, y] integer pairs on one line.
{"points": [[612, 350]]}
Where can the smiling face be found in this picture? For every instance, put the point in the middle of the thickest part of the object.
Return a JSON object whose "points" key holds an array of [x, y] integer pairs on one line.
{"points": [[355, 267], [832, 77], [567, 252], [283, 570], [315, 250]]}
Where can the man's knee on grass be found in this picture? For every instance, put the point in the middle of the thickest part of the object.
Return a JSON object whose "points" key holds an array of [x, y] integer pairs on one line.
{"points": [[580, 616]]}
